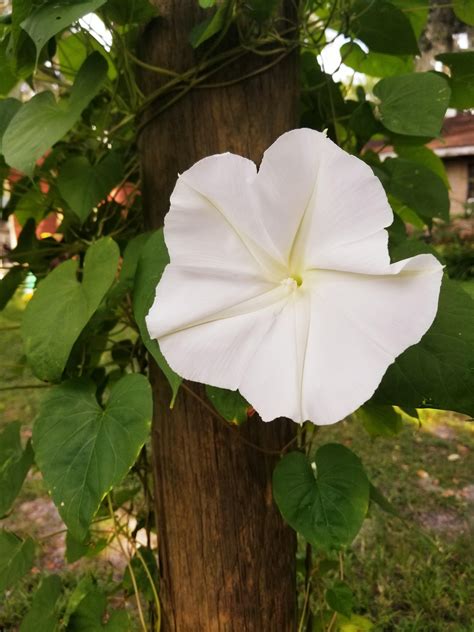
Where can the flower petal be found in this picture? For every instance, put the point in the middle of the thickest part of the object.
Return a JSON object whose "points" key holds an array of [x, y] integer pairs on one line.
{"points": [[273, 380], [209, 323], [359, 325], [212, 221], [286, 184], [343, 223]]}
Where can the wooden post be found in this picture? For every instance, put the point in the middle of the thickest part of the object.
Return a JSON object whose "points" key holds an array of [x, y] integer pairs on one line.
{"points": [[227, 559]]}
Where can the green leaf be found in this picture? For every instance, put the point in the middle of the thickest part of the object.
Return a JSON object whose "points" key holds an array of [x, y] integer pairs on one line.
{"points": [[84, 186], [355, 623], [413, 104], [141, 577], [8, 109], [464, 9], [8, 76], [89, 614], [364, 124], [10, 283], [406, 215], [83, 450], [416, 11], [212, 25], [380, 421], [54, 16], [326, 501], [374, 64], [43, 614], [462, 78], [130, 12], [383, 27], [14, 465], [340, 598], [230, 404], [75, 549], [61, 307], [33, 204], [418, 187], [425, 157], [42, 121], [438, 372], [152, 262], [72, 51], [81, 590], [16, 558]]}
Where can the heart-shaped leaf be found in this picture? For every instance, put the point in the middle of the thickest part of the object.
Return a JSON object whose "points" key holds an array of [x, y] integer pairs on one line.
{"points": [[340, 598], [413, 104], [83, 185], [53, 16], [326, 500], [42, 121], [83, 450], [396, 37], [61, 307]]}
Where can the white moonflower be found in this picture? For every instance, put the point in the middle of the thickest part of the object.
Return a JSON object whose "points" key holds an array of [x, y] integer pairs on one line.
{"points": [[280, 282]]}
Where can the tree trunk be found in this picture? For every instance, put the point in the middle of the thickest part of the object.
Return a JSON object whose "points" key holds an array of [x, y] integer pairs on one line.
{"points": [[227, 559]]}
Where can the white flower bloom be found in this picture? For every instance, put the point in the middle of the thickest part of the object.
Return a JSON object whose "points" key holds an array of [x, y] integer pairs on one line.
{"points": [[280, 282]]}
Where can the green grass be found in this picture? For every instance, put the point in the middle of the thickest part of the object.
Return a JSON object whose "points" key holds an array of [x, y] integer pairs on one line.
{"points": [[416, 574]]}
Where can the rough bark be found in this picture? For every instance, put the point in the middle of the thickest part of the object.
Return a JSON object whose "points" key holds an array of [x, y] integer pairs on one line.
{"points": [[227, 559]]}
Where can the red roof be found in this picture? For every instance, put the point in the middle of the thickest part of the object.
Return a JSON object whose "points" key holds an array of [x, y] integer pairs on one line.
{"points": [[458, 131]]}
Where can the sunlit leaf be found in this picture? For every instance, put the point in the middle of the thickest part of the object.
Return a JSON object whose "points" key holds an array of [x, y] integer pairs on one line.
{"points": [[42, 121], [53, 16], [380, 421], [374, 64], [62, 306]]}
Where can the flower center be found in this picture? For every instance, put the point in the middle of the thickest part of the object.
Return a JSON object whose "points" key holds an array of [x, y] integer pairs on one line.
{"points": [[292, 282]]}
